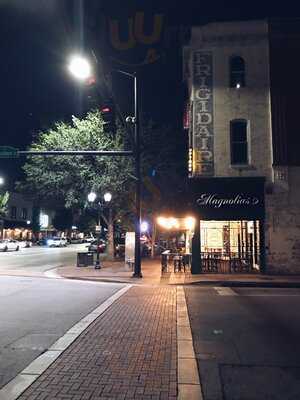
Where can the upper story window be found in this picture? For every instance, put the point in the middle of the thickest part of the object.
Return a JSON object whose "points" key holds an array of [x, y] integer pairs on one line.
{"points": [[237, 72], [13, 212], [24, 213], [239, 142]]}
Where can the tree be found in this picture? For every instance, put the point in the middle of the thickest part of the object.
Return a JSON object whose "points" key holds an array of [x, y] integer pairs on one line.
{"points": [[3, 209], [164, 161], [70, 179]]}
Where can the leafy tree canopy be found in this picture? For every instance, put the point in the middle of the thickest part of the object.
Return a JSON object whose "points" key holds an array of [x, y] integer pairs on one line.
{"points": [[71, 178], [3, 204]]}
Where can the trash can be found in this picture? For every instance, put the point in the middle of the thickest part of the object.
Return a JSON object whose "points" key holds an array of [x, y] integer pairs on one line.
{"points": [[85, 259]]}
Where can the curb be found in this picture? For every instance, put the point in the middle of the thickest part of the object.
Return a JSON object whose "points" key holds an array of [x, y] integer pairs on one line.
{"points": [[247, 284], [133, 281]]}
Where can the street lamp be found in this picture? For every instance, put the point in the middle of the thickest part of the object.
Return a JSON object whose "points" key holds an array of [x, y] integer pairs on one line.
{"points": [[80, 67], [91, 198], [2, 181], [82, 70]]}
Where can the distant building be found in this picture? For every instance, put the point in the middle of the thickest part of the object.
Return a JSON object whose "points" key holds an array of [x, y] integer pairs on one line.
{"points": [[19, 222], [244, 164]]}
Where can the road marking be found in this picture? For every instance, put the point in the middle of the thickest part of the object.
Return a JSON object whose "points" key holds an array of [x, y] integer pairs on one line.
{"points": [[189, 387], [225, 291], [51, 273], [25, 378]]}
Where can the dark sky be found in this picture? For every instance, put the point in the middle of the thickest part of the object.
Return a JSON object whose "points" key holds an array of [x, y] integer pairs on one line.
{"points": [[38, 35]]}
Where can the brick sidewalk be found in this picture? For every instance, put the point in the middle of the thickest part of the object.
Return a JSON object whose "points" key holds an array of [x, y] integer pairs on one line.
{"points": [[129, 352]]}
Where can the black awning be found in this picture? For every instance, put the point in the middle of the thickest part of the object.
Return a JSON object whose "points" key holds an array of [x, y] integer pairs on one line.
{"points": [[228, 198]]}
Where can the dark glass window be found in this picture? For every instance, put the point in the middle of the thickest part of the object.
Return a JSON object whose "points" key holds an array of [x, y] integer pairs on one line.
{"points": [[13, 212], [239, 142], [237, 72], [24, 213]]}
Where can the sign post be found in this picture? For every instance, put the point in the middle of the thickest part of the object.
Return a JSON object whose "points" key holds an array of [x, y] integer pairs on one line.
{"points": [[8, 152]]}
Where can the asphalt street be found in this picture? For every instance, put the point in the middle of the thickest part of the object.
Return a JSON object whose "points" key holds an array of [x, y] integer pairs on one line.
{"points": [[246, 342], [39, 259], [35, 312]]}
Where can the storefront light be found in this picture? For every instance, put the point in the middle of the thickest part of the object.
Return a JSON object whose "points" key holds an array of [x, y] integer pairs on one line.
{"points": [[189, 223], [168, 223], [44, 220]]}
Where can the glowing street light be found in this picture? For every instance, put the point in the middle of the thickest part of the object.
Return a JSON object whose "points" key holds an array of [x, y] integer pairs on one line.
{"points": [[2, 181], [107, 197], [144, 226], [80, 68], [92, 197]]}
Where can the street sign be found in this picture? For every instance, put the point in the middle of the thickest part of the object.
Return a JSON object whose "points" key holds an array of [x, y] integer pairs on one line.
{"points": [[8, 152]]}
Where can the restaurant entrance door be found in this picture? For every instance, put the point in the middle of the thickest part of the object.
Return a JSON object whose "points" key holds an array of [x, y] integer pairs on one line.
{"points": [[230, 246]]}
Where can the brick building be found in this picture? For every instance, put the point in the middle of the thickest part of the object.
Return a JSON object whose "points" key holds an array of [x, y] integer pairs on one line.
{"points": [[243, 89]]}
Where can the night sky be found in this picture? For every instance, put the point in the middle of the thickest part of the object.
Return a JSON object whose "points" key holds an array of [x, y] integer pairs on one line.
{"points": [[38, 35]]}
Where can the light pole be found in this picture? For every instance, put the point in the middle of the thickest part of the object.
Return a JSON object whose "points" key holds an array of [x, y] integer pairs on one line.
{"points": [[81, 69], [91, 198]]}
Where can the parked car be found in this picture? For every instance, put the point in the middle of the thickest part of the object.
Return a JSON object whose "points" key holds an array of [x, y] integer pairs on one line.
{"points": [[93, 246], [9, 244], [25, 243], [57, 242], [89, 239], [42, 242], [76, 240]]}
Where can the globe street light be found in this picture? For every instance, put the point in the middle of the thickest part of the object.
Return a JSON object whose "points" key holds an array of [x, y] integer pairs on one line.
{"points": [[91, 198]]}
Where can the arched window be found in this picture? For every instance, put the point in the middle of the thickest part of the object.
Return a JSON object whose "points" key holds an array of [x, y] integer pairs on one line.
{"points": [[237, 72], [239, 142]]}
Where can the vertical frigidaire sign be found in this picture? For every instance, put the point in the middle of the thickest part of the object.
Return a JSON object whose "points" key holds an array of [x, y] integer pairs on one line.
{"points": [[203, 118]]}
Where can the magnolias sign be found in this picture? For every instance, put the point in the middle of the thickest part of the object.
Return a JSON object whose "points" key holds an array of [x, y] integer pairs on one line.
{"points": [[215, 201], [228, 198]]}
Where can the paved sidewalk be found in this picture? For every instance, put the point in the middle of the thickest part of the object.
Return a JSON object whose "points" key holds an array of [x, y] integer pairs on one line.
{"points": [[129, 352], [151, 269]]}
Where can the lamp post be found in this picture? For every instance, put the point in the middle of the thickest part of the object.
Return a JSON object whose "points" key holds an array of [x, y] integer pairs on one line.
{"points": [[91, 198], [81, 69]]}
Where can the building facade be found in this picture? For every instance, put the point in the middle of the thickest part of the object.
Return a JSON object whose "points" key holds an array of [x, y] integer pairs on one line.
{"points": [[23, 218], [18, 221], [244, 170]]}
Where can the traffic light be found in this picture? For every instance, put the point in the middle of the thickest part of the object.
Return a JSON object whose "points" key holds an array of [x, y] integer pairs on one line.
{"points": [[108, 115]]}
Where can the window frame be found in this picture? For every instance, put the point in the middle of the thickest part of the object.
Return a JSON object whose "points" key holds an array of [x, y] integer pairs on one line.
{"points": [[13, 212], [24, 213], [247, 142], [235, 73]]}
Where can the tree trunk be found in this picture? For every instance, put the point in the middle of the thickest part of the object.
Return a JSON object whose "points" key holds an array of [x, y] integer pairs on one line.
{"points": [[110, 236]]}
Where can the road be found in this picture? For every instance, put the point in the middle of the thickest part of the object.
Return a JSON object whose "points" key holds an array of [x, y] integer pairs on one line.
{"points": [[35, 312], [246, 342], [39, 259]]}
